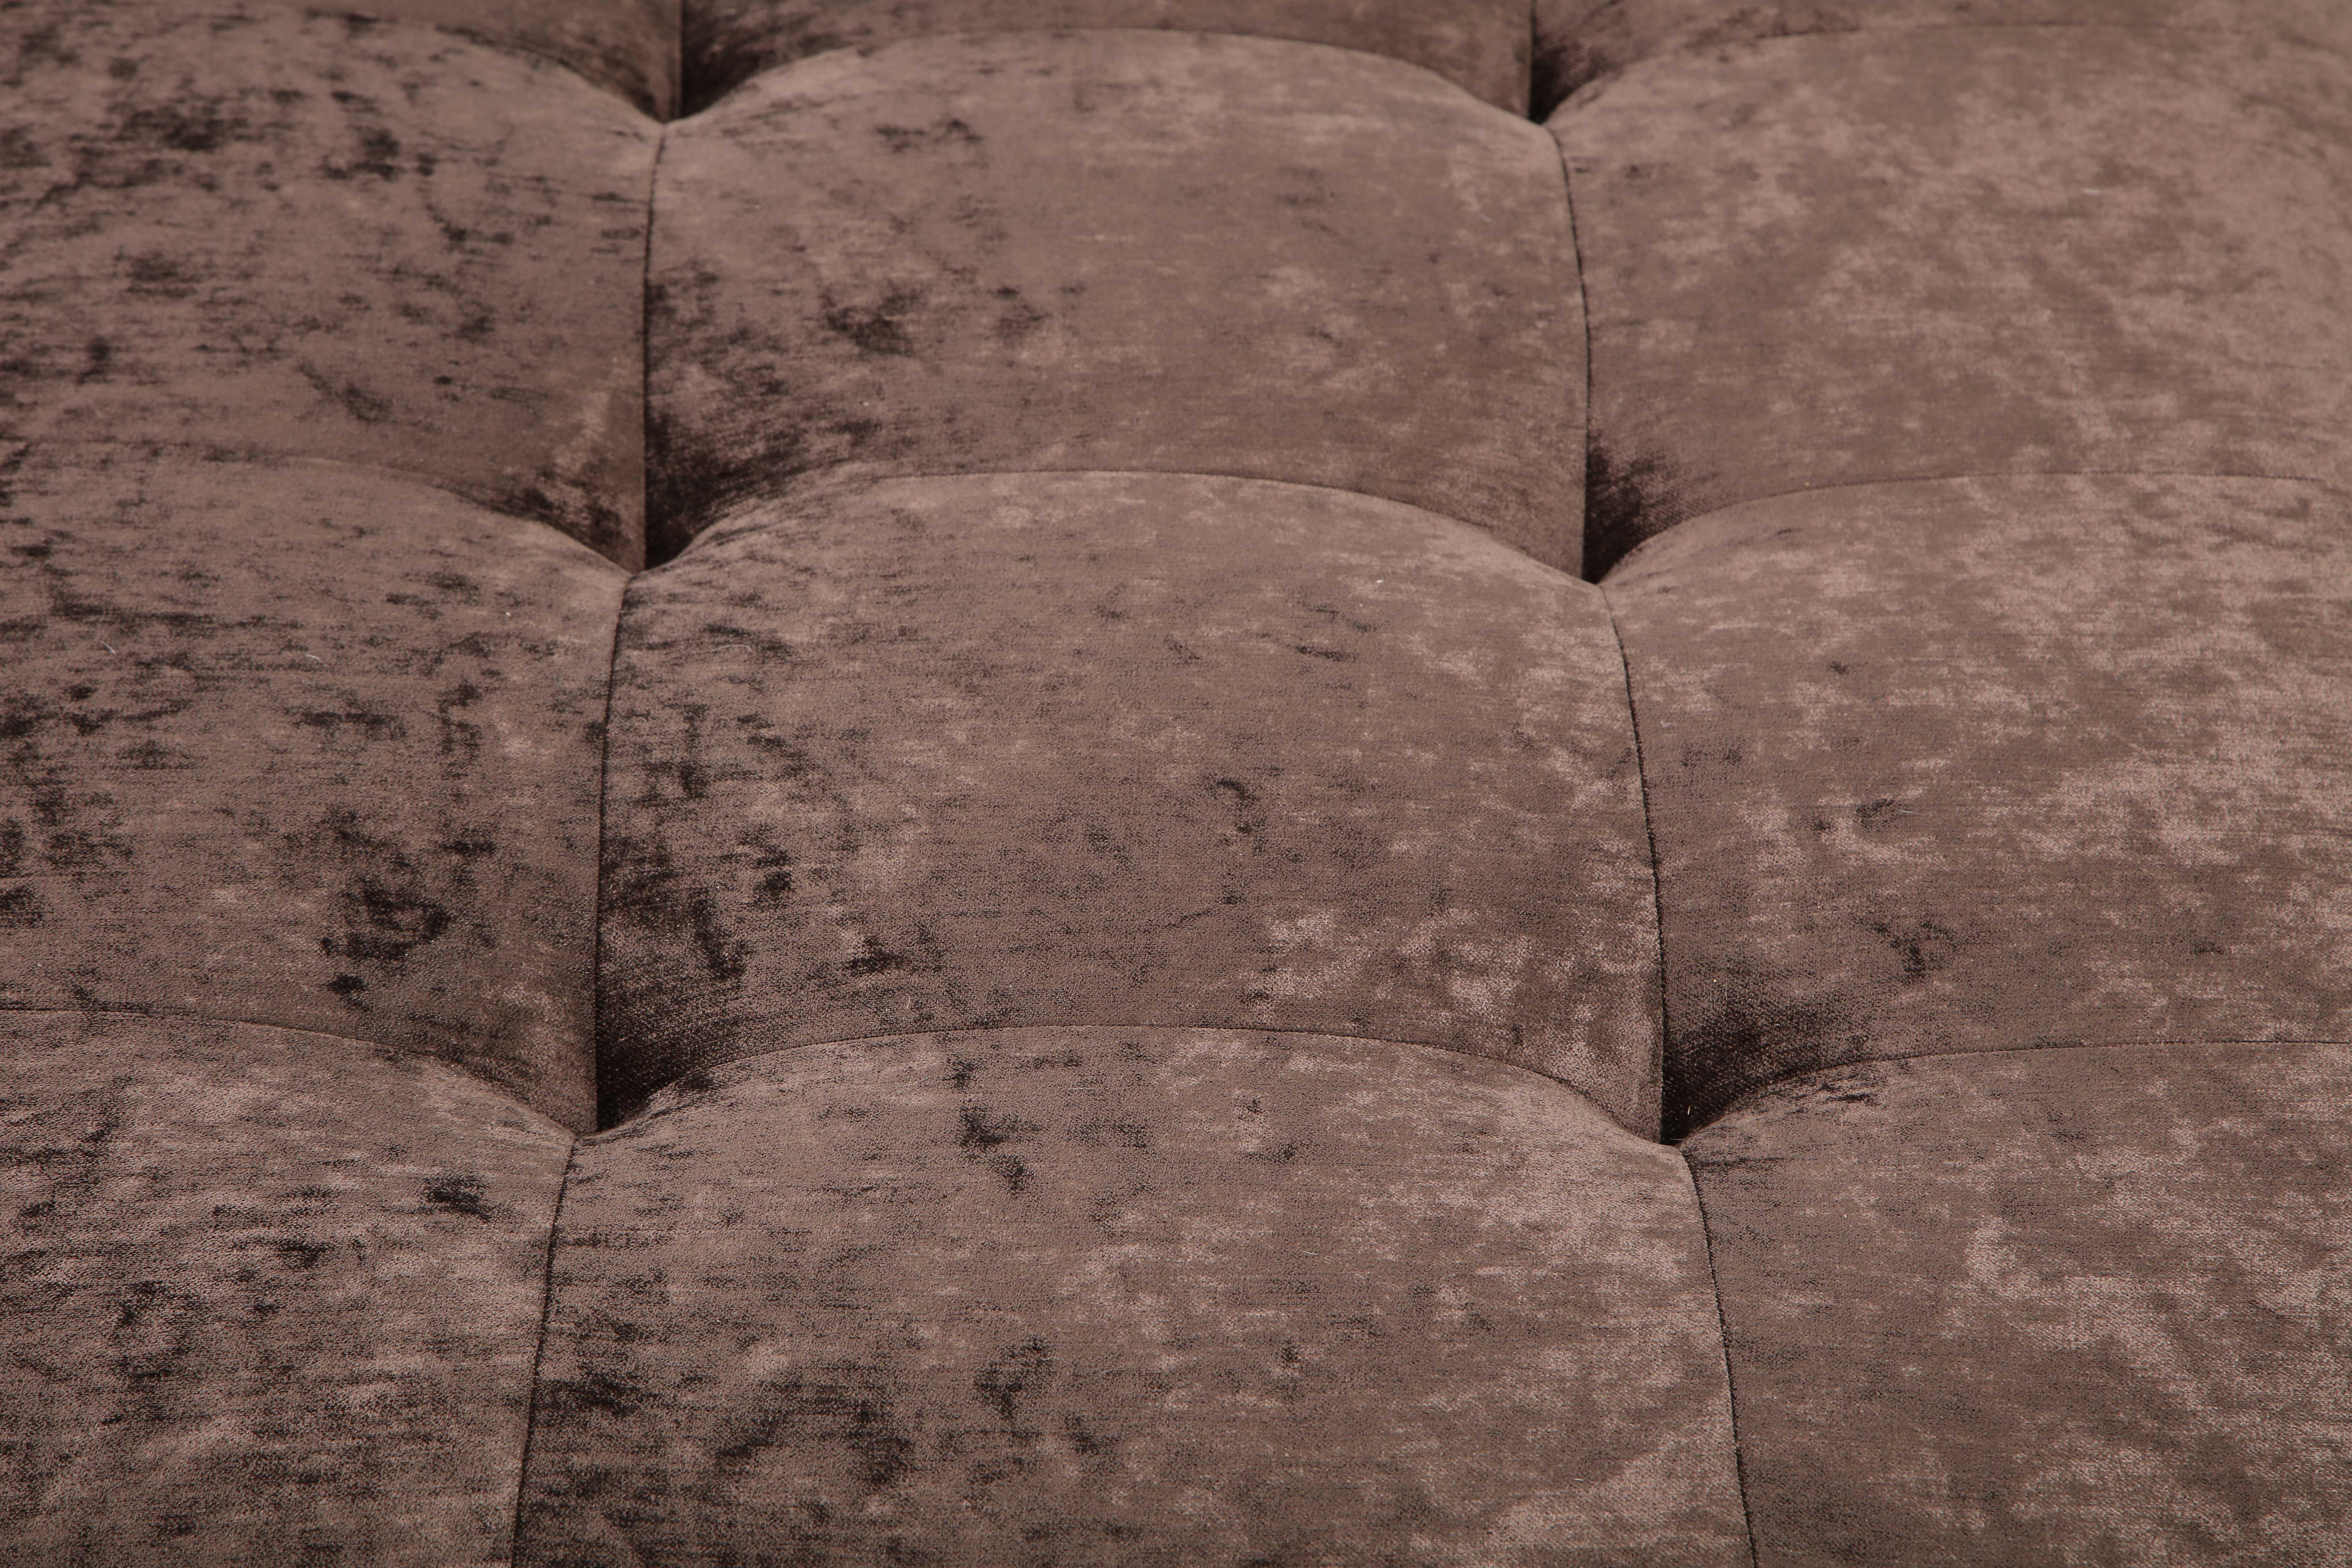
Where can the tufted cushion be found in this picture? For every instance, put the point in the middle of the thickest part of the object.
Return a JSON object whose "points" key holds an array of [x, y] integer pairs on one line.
{"points": [[1133, 749], [1084, 782], [1481, 45], [1014, 255], [272, 233], [271, 1291], [1159, 1294]]}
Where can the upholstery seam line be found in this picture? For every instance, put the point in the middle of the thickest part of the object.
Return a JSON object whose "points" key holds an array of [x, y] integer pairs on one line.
{"points": [[1525, 116], [360, 1042], [1526, 77], [513, 47], [1748, 1096], [1583, 449], [596, 1006], [189, 1015], [1723, 1337], [1682, 50], [261, 460], [596, 924], [538, 1352], [516, 47], [1899, 481], [824, 487], [1464, 1051], [1657, 870]]}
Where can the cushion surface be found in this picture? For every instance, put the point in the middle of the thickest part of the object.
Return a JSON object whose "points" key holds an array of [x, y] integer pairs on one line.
{"points": [[276, 234], [304, 745], [2065, 761], [2037, 250], [1581, 41], [1159, 1296], [1116, 250], [2069, 1306], [1479, 45], [268, 1293], [1136, 784], [1126, 749]]}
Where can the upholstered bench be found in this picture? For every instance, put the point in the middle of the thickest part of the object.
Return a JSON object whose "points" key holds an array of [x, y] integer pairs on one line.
{"points": [[1305, 783]]}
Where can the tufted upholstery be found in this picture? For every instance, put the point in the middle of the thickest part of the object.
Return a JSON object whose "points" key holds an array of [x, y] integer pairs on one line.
{"points": [[1176, 782]]}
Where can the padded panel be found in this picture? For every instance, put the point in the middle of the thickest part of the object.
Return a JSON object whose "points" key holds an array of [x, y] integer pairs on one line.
{"points": [[1579, 42], [272, 1296], [1127, 250], [306, 745], [1984, 764], [629, 47], [287, 235], [1480, 46], [1123, 749], [1918, 254], [2084, 1306], [1099, 1296]]}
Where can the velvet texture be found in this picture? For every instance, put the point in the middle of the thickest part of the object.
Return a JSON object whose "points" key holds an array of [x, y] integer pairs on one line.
{"points": [[1054, 783], [273, 232], [1161, 1295], [2098, 1316], [1116, 249], [272, 1295], [2065, 765], [1272, 757]]}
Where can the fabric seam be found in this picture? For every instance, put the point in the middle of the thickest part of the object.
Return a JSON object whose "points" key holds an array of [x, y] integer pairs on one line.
{"points": [[1524, 116], [1750, 1096], [272, 460], [1657, 871], [825, 486], [1463, 1051], [1897, 481], [1585, 316], [539, 1352], [1730, 1381], [597, 1009], [1684, 51]]}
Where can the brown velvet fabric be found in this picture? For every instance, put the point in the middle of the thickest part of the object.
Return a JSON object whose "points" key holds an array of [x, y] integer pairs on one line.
{"points": [[1481, 45], [629, 47], [263, 233], [1116, 250], [1139, 1296], [2062, 760], [2035, 250], [307, 745], [1122, 749], [1582, 41], [270, 1296], [2077, 1306], [1111, 919]]}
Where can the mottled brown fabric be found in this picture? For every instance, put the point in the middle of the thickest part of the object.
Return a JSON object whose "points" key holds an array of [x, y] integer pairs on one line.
{"points": [[271, 1298], [1480, 46], [627, 46], [1122, 749], [1984, 764], [307, 745], [2087, 1306], [1579, 42], [1116, 250], [1117, 957], [1920, 253], [1130, 1296], [310, 236]]}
